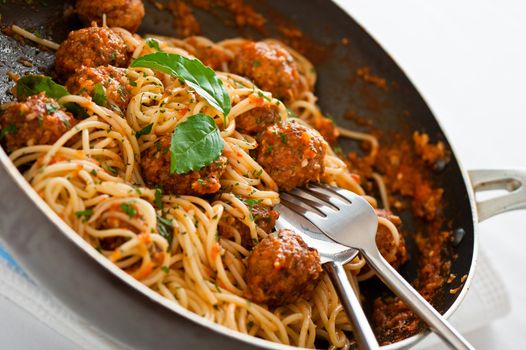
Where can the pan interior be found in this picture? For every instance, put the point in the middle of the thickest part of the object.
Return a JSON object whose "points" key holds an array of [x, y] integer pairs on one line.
{"points": [[397, 111]]}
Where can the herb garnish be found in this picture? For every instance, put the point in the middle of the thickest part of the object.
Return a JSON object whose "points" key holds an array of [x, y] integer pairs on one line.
{"points": [[9, 129], [144, 131], [129, 209], [196, 143], [251, 202], [99, 94], [154, 44], [84, 214], [194, 73], [30, 85], [158, 200], [165, 228]]}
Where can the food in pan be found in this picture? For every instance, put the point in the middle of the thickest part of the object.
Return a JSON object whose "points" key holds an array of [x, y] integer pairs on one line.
{"points": [[167, 155]]}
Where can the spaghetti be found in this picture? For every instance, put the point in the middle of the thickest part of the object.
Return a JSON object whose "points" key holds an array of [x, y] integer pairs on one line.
{"points": [[92, 179]]}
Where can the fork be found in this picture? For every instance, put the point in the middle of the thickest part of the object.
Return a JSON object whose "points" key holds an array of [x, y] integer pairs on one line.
{"points": [[349, 219], [333, 257]]}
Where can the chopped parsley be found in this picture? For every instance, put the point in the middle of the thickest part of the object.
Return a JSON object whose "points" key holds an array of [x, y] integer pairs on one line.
{"points": [[144, 131], [51, 108], [158, 200], [129, 209], [154, 44], [165, 229], [99, 94], [9, 129], [111, 169], [84, 214], [262, 95], [165, 269]]}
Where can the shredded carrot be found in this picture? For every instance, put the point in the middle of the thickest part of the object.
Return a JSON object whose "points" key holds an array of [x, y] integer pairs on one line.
{"points": [[256, 100], [116, 255], [215, 252], [143, 271], [145, 238]]}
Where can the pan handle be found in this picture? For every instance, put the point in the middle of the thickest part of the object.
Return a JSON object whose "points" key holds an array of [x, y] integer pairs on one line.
{"points": [[513, 181]]}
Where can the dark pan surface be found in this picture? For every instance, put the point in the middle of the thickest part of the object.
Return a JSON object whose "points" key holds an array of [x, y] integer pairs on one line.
{"points": [[398, 110]]}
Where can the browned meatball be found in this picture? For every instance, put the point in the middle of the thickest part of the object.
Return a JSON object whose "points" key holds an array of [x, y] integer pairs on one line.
{"points": [[90, 47], [113, 81], [271, 68], [264, 217], [258, 119], [386, 243], [282, 269], [292, 154], [127, 14], [37, 121], [155, 164], [326, 128], [210, 55]]}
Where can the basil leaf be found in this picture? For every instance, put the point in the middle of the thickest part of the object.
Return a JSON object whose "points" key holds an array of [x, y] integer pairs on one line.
{"points": [[194, 73], [30, 85], [78, 111], [98, 95], [196, 143], [34, 84], [144, 131]]}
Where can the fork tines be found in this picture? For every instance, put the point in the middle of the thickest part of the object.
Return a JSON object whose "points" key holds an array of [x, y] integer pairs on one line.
{"points": [[320, 199]]}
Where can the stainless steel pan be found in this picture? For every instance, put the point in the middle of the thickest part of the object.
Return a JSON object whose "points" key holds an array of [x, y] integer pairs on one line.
{"points": [[129, 312]]}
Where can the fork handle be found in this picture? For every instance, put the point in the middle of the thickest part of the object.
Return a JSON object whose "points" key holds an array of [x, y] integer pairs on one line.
{"points": [[414, 300], [361, 327]]}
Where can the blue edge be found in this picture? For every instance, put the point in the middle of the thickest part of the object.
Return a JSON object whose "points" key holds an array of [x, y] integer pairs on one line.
{"points": [[4, 255]]}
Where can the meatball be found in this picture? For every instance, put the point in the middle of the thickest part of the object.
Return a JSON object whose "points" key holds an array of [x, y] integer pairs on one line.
{"points": [[127, 14], [271, 68], [112, 79], [155, 165], [282, 269], [90, 47], [386, 242], [264, 217], [208, 53], [292, 154], [258, 119], [326, 128], [37, 121]]}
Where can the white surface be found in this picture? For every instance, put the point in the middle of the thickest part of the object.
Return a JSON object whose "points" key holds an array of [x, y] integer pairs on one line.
{"points": [[468, 58]]}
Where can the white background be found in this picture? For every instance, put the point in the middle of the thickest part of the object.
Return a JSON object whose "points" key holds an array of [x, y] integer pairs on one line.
{"points": [[468, 59]]}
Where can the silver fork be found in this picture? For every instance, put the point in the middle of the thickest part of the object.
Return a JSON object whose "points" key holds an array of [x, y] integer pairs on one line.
{"points": [[350, 220], [333, 257]]}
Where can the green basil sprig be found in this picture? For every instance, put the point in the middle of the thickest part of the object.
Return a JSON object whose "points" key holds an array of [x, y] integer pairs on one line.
{"points": [[195, 143], [194, 73], [30, 85]]}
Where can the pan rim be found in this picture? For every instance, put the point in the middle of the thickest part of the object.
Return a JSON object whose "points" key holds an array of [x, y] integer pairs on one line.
{"points": [[201, 321], [408, 342]]}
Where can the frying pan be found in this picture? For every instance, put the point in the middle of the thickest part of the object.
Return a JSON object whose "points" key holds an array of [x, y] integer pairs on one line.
{"points": [[109, 299]]}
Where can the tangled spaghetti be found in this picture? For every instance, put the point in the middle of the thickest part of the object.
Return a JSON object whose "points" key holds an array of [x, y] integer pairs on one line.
{"points": [[94, 167]]}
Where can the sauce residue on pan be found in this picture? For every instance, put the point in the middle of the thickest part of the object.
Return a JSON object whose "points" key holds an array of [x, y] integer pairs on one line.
{"points": [[243, 16], [406, 167]]}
